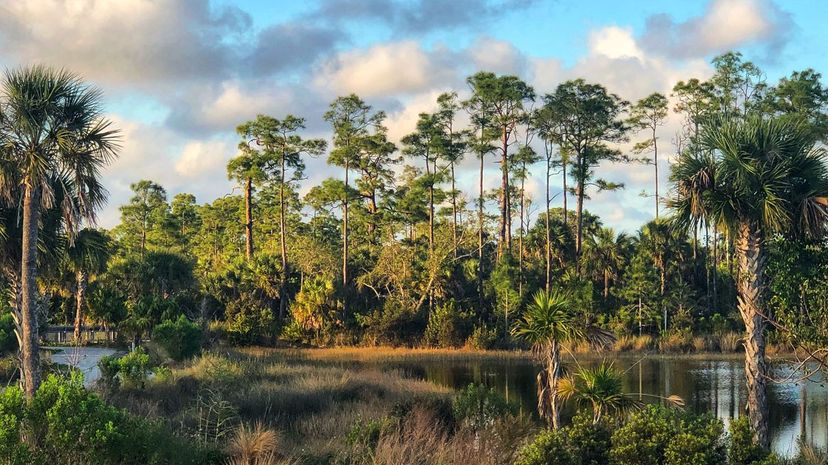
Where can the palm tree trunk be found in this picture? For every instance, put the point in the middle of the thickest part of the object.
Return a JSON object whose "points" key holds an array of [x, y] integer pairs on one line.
{"points": [[248, 218], [80, 301], [606, 284], [554, 369], [751, 305], [283, 244], [28, 305]]}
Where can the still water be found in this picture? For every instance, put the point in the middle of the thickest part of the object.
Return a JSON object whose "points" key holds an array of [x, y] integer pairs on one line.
{"points": [[798, 409]]}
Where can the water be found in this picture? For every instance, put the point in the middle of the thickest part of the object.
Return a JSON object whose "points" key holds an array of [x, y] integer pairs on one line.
{"points": [[797, 409]]}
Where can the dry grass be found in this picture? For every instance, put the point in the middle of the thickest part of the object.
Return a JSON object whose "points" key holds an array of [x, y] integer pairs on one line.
{"points": [[312, 403], [253, 445]]}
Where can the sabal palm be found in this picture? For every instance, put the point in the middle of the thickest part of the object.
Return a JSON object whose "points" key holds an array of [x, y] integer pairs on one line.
{"points": [[52, 130], [86, 257], [602, 389], [548, 322], [606, 253], [759, 177]]}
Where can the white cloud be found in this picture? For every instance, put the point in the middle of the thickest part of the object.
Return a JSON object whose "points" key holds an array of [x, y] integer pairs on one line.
{"points": [[392, 68], [200, 158], [725, 24], [614, 42]]}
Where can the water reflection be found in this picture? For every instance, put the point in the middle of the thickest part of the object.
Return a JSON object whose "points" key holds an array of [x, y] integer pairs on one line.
{"points": [[797, 409]]}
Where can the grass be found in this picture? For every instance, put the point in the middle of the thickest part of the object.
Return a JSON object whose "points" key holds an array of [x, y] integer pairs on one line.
{"points": [[309, 404]]}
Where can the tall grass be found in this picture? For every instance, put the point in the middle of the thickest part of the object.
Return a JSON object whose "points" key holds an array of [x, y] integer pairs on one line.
{"points": [[310, 402]]}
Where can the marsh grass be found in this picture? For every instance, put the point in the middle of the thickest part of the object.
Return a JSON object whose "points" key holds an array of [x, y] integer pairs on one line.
{"points": [[310, 401]]}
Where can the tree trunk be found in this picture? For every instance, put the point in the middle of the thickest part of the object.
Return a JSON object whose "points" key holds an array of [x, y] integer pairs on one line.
{"points": [[606, 285], [505, 238], [548, 234], [751, 304], [554, 368], [480, 202], [345, 243], [564, 193], [80, 301], [520, 238], [28, 305], [430, 206], [248, 218], [283, 244], [579, 226], [655, 164], [454, 210]]}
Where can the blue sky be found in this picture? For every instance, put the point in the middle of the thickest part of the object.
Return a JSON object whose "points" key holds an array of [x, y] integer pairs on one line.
{"points": [[179, 75]]}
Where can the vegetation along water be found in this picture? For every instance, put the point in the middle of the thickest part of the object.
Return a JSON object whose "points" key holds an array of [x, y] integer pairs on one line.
{"points": [[262, 327]]}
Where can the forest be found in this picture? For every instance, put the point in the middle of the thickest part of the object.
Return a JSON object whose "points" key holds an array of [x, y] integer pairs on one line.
{"points": [[390, 252]]}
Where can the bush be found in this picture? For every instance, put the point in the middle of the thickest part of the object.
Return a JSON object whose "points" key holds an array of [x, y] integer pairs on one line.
{"points": [[590, 441], [181, 339], [657, 435], [548, 447], [130, 370], [482, 338], [447, 326], [478, 406], [743, 449], [70, 425]]}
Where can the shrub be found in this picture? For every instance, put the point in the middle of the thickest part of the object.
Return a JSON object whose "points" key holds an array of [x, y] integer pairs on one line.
{"points": [[70, 425], [643, 440], [446, 326], [181, 339], [590, 441], [548, 447], [477, 406], [482, 338], [130, 370], [743, 449], [657, 435]]}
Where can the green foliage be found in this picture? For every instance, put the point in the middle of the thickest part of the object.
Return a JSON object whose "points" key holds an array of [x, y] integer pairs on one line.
{"points": [[589, 440], [8, 340], [70, 425], [130, 370], [548, 447], [661, 436], [478, 407], [743, 449], [482, 337], [181, 339], [447, 326]]}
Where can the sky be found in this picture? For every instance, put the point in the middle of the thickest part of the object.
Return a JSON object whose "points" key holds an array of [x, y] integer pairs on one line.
{"points": [[179, 75]]}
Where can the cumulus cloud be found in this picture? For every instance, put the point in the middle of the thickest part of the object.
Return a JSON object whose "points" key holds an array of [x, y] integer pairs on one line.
{"points": [[392, 68], [199, 158], [725, 24], [127, 42]]}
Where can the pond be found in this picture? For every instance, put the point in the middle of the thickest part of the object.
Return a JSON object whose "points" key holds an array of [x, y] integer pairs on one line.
{"points": [[797, 409]]}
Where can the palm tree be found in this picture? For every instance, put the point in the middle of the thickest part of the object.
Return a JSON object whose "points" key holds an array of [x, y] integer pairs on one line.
{"points": [[602, 389], [86, 257], [52, 130], [547, 323], [606, 254], [760, 177]]}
